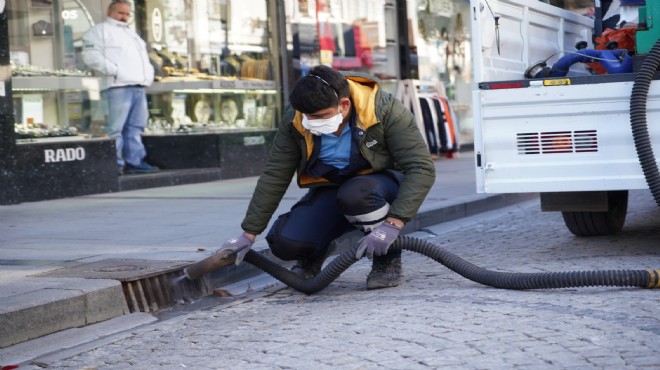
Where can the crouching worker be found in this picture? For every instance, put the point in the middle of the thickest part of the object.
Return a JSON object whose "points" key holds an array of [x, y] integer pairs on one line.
{"points": [[362, 156]]}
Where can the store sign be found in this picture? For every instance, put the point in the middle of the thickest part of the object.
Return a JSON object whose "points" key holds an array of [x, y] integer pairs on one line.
{"points": [[64, 155], [254, 140], [69, 14], [243, 84]]}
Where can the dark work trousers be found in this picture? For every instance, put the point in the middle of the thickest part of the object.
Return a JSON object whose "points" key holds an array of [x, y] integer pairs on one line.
{"points": [[325, 213]]}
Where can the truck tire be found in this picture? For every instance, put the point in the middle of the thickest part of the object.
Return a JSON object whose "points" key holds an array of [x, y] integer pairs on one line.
{"points": [[600, 223]]}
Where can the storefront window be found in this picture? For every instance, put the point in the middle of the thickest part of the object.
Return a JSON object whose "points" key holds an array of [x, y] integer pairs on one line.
{"points": [[78, 16], [207, 55], [210, 57], [346, 35], [442, 42], [52, 94]]}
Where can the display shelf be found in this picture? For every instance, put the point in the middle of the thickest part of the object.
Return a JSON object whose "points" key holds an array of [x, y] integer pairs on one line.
{"points": [[62, 139], [47, 83], [244, 84], [50, 83], [212, 86], [207, 131], [203, 106]]}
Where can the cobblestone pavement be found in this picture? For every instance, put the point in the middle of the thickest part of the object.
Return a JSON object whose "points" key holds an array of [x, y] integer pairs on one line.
{"points": [[435, 319]]}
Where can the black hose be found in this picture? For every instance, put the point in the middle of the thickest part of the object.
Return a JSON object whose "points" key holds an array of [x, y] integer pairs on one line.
{"points": [[640, 131], [503, 280]]}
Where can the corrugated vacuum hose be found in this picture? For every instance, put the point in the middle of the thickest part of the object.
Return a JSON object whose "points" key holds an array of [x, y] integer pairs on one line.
{"points": [[503, 280], [638, 98]]}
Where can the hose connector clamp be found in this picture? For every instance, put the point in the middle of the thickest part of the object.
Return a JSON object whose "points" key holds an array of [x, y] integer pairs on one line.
{"points": [[654, 279]]}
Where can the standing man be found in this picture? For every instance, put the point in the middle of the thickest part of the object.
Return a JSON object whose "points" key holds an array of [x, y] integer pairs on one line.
{"points": [[116, 52], [366, 165]]}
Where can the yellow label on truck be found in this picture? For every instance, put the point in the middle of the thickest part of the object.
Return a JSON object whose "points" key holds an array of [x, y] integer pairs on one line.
{"points": [[557, 82]]}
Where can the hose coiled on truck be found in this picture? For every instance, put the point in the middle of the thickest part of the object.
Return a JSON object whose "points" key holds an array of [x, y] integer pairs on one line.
{"points": [[502, 280], [640, 131]]}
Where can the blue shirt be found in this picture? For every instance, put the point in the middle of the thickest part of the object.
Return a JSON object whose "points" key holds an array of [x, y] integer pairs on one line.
{"points": [[336, 151]]}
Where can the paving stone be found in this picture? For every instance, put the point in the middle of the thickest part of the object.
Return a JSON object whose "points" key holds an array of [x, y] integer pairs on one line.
{"points": [[435, 318]]}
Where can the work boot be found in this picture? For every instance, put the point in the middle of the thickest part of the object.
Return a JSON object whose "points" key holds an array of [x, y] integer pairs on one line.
{"points": [[385, 273], [308, 269]]}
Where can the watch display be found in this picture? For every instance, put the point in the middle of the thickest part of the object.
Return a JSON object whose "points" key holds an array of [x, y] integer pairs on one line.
{"points": [[40, 131]]}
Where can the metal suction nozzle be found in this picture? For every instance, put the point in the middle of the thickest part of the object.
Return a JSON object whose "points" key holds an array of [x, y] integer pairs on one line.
{"points": [[219, 259]]}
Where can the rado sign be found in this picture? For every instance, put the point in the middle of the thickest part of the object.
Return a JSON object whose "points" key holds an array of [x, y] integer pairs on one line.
{"points": [[254, 140], [64, 155]]}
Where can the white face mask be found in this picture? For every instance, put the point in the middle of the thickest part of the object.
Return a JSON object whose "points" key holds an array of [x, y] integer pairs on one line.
{"points": [[322, 125]]}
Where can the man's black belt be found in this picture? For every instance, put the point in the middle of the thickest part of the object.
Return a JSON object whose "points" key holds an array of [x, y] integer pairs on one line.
{"points": [[116, 87]]}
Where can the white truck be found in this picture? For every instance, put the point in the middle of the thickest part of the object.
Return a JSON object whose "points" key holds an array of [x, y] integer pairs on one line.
{"points": [[568, 138]]}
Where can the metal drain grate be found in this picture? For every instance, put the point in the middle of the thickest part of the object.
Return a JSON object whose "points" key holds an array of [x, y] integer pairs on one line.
{"points": [[148, 285], [150, 294]]}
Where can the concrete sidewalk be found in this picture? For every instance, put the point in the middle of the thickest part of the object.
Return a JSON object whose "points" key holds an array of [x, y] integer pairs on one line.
{"points": [[169, 226]]}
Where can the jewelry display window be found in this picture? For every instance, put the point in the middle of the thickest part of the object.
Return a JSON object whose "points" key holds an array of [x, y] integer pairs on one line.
{"points": [[53, 96], [247, 106], [213, 64], [208, 39], [211, 51]]}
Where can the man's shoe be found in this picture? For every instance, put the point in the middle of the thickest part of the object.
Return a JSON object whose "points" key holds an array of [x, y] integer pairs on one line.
{"points": [[142, 167], [308, 269], [120, 170], [385, 273]]}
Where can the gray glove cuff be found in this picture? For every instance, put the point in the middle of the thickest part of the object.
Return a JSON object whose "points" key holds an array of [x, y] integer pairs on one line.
{"points": [[240, 245], [378, 241]]}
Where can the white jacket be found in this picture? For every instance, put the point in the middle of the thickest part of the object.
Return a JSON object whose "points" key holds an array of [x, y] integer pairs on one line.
{"points": [[118, 53]]}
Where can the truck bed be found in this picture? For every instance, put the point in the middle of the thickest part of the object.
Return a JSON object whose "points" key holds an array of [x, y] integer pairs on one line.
{"points": [[568, 134]]}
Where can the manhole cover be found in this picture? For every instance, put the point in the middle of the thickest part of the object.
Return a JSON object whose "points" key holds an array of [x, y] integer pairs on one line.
{"points": [[118, 269]]}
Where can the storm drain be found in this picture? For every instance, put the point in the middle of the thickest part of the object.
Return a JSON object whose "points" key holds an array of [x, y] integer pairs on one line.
{"points": [[148, 285]]}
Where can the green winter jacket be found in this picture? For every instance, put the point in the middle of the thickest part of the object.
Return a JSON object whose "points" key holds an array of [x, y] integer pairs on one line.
{"points": [[392, 140]]}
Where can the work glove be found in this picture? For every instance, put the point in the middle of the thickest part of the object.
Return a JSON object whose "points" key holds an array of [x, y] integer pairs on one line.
{"points": [[378, 241], [240, 246]]}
